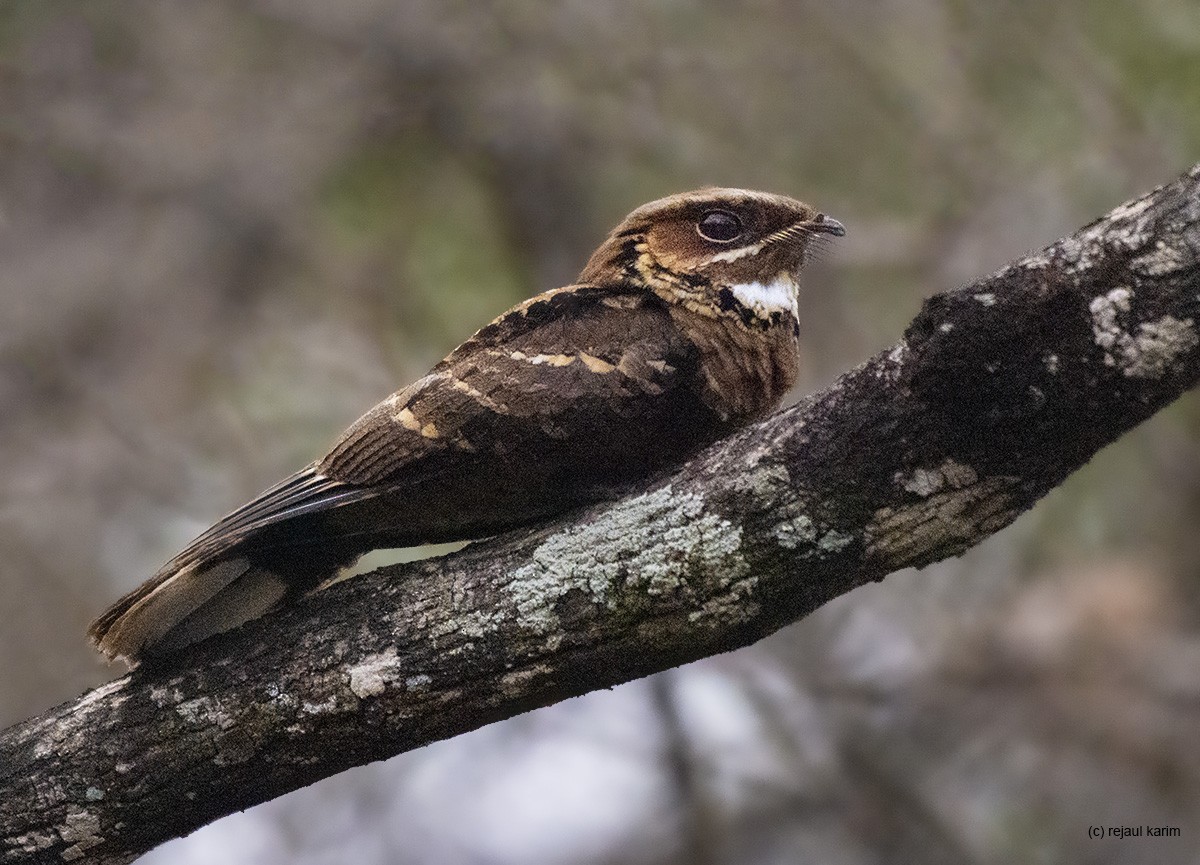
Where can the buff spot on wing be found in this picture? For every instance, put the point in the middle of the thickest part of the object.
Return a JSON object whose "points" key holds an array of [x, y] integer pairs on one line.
{"points": [[661, 366], [628, 366], [621, 302], [553, 359], [548, 359], [595, 364], [479, 396], [408, 420]]}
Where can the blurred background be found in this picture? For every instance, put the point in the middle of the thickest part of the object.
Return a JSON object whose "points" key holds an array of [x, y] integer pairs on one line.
{"points": [[227, 228]]}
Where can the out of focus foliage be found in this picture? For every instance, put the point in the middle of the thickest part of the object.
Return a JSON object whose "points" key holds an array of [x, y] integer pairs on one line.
{"points": [[227, 228]]}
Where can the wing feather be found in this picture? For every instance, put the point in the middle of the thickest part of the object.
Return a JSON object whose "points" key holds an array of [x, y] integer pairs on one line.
{"points": [[304, 492]]}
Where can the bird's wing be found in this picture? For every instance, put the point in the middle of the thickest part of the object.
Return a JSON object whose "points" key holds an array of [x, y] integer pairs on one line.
{"points": [[302, 493], [583, 368], [564, 359]]}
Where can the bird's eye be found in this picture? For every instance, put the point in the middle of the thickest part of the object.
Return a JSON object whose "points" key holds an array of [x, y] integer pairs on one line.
{"points": [[719, 226]]}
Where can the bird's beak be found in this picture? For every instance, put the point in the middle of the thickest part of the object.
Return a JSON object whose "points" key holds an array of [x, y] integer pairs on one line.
{"points": [[823, 224]]}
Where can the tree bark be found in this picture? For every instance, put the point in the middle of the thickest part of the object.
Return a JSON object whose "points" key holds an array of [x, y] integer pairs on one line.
{"points": [[996, 393]]}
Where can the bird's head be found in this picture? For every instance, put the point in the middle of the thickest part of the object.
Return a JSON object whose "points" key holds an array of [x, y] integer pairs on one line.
{"points": [[702, 248]]}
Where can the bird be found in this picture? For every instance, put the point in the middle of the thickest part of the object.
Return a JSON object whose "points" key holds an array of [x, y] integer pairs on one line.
{"points": [[682, 327]]}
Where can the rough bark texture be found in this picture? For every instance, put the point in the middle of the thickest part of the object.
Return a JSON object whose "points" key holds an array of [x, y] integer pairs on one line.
{"points": [[995, 394]]}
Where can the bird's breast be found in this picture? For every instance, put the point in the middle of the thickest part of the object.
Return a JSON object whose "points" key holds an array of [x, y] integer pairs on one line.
{"points": [[748, 362]]}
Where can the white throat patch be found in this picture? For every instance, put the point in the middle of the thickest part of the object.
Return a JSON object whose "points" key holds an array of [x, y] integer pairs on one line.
{"points": [[778, 295]]}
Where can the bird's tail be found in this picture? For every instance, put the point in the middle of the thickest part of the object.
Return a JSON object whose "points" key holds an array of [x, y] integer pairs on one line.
{"points": [[185, 605]]}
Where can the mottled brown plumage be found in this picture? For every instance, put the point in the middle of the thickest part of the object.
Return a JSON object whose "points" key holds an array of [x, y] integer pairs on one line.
{"points": [[681, 328]]}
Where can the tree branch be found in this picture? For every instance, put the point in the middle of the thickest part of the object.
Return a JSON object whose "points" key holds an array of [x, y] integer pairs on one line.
{"points": [[995, 394]]}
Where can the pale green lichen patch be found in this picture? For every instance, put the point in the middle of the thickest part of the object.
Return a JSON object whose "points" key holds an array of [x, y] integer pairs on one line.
{"points": [[1156, 345], [51, 733], [34, 841], [833, 541], [657, 541], [81, 831], [320, 707], [797, 531], [204, 712], [1146, 353], [762, 481], [1076, 254], [925, 482], [370, 676], [473, 623], [1130, 209], [164, 697], [1106, 310], [1161, 260], [730, 608], [104, 691], [419, 682], [1129, 226], [895, 361]]}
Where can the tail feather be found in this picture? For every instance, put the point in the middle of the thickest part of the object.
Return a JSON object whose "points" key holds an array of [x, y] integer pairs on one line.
{"points": [[246, 598], [278, 544], [149, 614]]}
